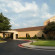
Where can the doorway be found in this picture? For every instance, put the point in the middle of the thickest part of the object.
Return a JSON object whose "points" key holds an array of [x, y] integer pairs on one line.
{"points": [[16, 36], [11, 36]]}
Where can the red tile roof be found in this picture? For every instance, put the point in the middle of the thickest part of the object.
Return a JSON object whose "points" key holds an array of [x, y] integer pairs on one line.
{"points": [[30, 29]]}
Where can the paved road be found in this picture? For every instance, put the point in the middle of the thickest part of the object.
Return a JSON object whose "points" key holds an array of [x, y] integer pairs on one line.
{"points": [[11, 48]]}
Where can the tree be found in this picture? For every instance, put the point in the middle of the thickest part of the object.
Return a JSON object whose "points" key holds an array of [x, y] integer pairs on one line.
{"points": [[49, 30], [4, 23]]}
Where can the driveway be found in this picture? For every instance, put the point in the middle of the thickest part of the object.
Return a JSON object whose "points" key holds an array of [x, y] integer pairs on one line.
{"points": [[11, 48]]}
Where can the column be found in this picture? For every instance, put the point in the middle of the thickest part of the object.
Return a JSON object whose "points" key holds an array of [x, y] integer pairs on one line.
{"points": [[14, 36], [3, 35]]}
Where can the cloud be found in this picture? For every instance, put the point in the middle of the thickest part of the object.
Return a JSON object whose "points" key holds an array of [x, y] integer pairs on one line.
{"points": [[14, 25], [52, 2], [40, 12], [45, 12], [18, 7], [25, 14], [4, 10], [43, 15], [44, 8]]}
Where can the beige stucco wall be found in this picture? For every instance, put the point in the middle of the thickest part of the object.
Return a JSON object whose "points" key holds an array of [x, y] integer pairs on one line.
{"points": [[31, 33], [52, 19], [9, 32], [6, 35], [1, 34], [23, 34], [46, 22]]}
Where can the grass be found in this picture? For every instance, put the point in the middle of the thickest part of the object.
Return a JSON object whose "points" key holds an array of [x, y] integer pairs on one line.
{"points": [[1, 41], [44, 43]]}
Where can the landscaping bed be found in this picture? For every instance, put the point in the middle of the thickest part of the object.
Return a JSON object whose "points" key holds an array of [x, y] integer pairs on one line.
{"points": [[44, 43]]}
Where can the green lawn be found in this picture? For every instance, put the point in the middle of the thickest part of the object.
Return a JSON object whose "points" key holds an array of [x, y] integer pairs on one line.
{"points": [[2, 41], [44, 43]]}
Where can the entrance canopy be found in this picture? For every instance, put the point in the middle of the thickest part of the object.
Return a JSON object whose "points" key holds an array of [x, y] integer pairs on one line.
{"points": [[10, 31]]}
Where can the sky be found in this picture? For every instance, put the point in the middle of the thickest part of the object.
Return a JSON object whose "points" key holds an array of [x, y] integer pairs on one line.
{"points": [[27, 13]]}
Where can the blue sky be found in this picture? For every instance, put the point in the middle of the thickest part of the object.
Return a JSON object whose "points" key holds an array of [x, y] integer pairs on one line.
{"points": [[27, 13]]}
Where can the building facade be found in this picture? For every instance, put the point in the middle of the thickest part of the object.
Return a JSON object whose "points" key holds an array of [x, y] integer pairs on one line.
{"points": [[32, 31], [52, 19]]}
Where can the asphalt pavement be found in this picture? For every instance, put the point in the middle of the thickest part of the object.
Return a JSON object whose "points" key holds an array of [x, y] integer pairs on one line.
{"points": [[11, 48]]}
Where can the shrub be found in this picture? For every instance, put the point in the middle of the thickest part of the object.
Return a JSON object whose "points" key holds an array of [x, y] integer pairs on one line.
{"points": [[43, 37], [1, 38], [22, 38], [28, 36], [35, 37], [49, 30]]}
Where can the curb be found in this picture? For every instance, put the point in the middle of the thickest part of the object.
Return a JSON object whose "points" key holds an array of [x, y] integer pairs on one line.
{"points": [[27, 45], [20, 45]]}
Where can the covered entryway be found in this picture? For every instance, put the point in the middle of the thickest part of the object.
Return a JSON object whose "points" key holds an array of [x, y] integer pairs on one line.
{"points": [[10, 33]]}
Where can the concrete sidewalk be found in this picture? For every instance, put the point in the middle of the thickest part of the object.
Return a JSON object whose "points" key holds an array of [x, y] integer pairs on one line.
{"points": [[27, 45]]}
